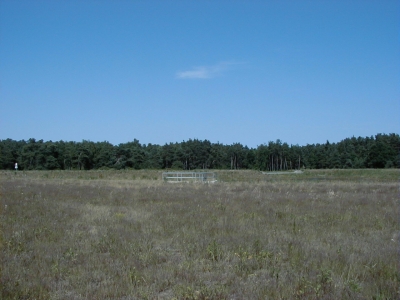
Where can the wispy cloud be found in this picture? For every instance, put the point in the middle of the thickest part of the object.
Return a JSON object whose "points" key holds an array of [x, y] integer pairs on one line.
{"points": [[205, 72]]}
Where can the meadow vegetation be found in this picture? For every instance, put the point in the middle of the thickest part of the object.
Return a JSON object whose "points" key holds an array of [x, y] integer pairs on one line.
{"points": [[326, 234]]}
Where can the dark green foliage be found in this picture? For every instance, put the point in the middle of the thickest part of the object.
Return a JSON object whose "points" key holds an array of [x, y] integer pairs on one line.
{"points": [[384, 152], [381, 151]]}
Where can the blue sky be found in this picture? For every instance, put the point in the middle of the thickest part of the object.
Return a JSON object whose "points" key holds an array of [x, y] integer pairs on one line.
{"points": [[226, 71]]}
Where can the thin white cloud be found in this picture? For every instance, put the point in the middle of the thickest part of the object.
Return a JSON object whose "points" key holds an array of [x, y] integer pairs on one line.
{"points": [[205, 72]]}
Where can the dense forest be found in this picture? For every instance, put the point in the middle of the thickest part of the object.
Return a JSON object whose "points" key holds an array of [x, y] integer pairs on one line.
{"points": [[379, 151]]}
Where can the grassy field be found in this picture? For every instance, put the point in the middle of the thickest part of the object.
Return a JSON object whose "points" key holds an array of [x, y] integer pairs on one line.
{"points": [[327, 234]]}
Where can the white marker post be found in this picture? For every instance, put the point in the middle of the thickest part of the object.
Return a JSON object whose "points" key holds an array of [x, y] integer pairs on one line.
{"points": [[16, 166]]}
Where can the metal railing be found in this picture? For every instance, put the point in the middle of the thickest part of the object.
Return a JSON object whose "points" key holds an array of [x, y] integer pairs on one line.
{"points": [[189, 176]]}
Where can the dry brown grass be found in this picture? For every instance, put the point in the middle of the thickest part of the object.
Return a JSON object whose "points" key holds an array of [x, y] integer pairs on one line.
{"points": [[129, 236]]}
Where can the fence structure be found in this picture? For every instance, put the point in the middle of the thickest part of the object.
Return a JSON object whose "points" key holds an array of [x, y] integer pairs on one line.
{"points": [[189, 176]]}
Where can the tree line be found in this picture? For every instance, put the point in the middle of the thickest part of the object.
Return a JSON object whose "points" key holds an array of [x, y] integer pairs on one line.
{"points": [[379, 151]]}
